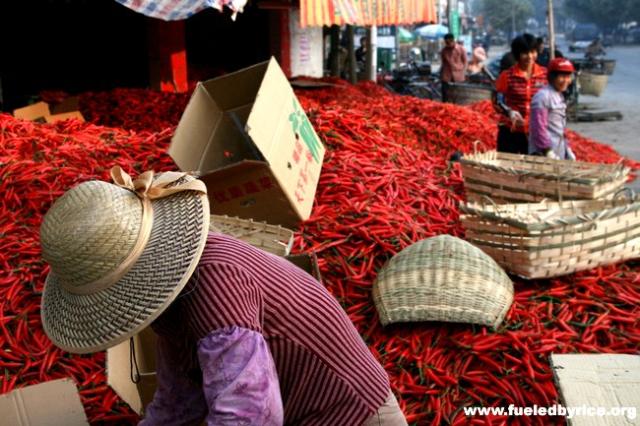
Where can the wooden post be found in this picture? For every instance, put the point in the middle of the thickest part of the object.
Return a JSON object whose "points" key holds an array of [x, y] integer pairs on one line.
{"points": [[167, 56], [334, 53], [552, 31], [353, 69]]}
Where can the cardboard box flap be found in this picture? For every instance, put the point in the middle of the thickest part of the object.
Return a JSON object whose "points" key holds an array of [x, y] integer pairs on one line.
{"points": [[250, 191], [32, 112], [70, 104], [137, 395], [54, 403], [308, 263], [64, 116], [269, 113], [208, 138], [196, 129], [237, 88], [285, 137]]}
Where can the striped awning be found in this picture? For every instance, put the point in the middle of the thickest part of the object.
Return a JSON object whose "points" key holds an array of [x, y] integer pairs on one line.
{"points": [[315, 13]]}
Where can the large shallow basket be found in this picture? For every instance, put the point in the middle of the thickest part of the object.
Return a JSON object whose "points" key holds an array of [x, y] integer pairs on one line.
{"points": [[442, 279], [271, 238], [592, 83], [514, 178], [465, 93], [549, 239]]}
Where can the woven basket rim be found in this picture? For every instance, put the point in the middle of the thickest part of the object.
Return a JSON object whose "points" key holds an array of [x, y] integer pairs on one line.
{"points": [[488, 212], [609, 173]]}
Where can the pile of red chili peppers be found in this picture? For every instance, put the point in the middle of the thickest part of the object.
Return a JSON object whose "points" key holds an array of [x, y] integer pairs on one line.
{"points": [[385, 183]]}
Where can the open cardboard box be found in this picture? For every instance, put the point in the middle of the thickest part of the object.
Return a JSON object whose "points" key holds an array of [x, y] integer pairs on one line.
{"points": [[53, 403], [41, 112], [247, 137], [119, 360]]}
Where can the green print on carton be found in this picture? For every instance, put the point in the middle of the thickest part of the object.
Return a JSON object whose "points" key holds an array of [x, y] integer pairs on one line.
{"points": [[302, 127]]}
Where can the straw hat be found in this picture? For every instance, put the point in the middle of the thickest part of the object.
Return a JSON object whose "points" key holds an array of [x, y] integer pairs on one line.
{"points": [[119, 255]]}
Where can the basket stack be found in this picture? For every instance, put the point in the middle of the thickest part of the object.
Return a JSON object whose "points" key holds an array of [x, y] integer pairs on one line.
{"points": [[442, 279], [549, 239], [271, 238], [515, 178]]}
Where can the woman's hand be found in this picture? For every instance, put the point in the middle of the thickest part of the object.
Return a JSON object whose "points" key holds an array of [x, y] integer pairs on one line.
{"points": [[516, 118]]}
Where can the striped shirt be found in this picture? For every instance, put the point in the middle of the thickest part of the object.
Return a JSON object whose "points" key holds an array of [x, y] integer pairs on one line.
{"points": [[518, 91], [326, 373]]}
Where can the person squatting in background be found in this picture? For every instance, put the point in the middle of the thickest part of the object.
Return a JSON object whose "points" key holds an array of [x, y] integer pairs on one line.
{"points": [[515, 88], [549, 114], [478, 58]]}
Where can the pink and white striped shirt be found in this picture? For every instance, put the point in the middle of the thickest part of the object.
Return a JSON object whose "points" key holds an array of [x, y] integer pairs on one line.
{"points": [[326, 374]]}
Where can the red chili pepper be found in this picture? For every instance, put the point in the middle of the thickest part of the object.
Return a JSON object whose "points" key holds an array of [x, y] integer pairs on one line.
{"points": [[385, 183]]}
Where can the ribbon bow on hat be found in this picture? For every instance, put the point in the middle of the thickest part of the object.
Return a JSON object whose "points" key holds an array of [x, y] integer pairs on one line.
{"points": [[146, 187]]}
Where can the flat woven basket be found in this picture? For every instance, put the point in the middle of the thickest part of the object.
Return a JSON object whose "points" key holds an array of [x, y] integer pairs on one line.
{"points": [[272, 238], [515, 178], [442, 279], [549, 239]]}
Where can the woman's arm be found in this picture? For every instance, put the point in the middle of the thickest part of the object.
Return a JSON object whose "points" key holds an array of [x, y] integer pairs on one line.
{"points": [[240, 381], [178, 399], [538, 124]]}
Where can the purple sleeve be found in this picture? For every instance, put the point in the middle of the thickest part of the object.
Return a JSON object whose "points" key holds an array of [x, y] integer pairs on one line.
{"points": [[538, 122], [240, 380], [178, 399]]}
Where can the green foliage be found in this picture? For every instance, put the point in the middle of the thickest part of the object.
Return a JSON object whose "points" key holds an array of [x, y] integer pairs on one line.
{"points": [[501, 13], [607, 14]]}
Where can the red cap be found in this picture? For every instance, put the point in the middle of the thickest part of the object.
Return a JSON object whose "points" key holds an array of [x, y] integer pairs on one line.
{"points": [[561, 65]]}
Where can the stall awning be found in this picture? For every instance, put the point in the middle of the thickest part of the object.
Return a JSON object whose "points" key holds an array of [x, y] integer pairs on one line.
{"points": [[314, 13], [175, 10]]}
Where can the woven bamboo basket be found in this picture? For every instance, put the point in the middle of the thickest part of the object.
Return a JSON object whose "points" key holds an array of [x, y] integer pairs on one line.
{"points": [[592, 83], [608, 66], [466, 93], [514, 178], [550, 239], [272, 238], [442, 279]]}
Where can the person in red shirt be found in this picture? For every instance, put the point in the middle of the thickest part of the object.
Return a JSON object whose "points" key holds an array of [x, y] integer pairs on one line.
{"points": [[515, 88], [454, 64]]}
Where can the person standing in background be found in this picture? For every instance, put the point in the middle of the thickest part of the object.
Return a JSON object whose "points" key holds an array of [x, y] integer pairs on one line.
{"points": [[515, 88], [454, 64], [549, 114]]}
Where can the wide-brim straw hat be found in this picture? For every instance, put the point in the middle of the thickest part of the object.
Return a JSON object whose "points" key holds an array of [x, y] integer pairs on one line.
{"points": [[119, 255]]}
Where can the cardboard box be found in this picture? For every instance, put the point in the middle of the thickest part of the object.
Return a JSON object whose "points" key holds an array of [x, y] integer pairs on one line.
{"points": [[248, 138], [64, 116], [41, 112], [54, 403], [33, 112], [70, 104], [308, 263], [120, 373]]}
